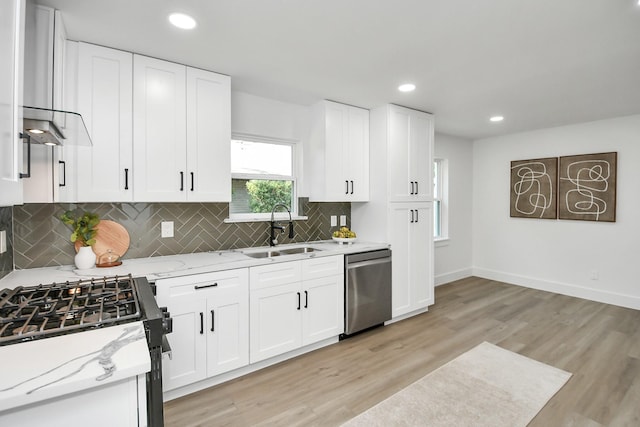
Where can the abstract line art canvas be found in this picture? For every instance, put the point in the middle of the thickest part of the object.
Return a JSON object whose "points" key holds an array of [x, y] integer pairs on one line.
{"points": [[587, 187], [534, 188]]}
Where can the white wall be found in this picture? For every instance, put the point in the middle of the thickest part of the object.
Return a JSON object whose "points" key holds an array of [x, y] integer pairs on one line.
{"points": [[453, 256], [560, 255]]}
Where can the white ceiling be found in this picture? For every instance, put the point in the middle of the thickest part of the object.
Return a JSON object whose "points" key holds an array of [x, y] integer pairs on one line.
{"points": [[540, 63]]}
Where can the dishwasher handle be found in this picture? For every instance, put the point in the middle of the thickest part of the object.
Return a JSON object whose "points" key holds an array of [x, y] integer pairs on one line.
{"points": [[368, 263]]}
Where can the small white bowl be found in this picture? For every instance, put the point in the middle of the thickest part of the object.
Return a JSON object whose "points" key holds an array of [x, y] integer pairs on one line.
{"points": [[342, 240]]}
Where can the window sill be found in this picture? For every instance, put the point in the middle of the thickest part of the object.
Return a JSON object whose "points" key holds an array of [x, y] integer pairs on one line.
{"points": [[278, 218], [441, 241]]}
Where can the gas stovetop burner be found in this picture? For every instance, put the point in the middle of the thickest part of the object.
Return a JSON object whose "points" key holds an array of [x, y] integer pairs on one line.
{"points": [[45, 310]]}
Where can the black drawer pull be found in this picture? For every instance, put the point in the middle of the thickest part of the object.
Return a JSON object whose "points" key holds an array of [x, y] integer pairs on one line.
{"points": [[416, 187], [181, 181], [306, 299], [210, 285], [126, 178], [191, 181], [213, 320], [64, 173], [347, 183], [201, 323], [298, 300]]}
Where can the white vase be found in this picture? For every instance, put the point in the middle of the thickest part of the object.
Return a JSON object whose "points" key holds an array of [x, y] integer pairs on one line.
{"points": [[85, 258]]}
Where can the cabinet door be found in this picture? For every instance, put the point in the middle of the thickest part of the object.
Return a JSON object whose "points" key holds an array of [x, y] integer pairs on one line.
{"points": [[421, 258], [275, 321], [105, 102], [322, 308], [208, 136], [356, 162], [188, 362], [336, 141], [228, 324], [411, 238], [410, 155], [159, 116], [11, 27]]}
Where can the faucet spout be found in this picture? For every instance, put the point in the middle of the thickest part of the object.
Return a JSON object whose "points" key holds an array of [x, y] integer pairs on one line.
{"points": [[273, 240]]}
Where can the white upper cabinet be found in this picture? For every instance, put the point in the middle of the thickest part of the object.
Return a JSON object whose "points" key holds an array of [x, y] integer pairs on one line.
{"points": [[337, 162], [105, 85], [11, 26], [160, 130], [208, 136], [409, 149], [173, 161]]}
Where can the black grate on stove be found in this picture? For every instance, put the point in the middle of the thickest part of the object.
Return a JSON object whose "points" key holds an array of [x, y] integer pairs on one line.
{"points": [[41, 311]]}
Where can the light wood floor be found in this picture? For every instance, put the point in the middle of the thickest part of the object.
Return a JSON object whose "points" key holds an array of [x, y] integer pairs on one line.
{"points": [[598, 343]]}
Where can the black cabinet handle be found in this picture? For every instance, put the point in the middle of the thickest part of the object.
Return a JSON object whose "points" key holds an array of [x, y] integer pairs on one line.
{"points": [[126, 178], [412, 220], [351, 187], [213, 317], [64, 173], [306, 299], [417, 217], [201, 323], [411, 183], [181, 181], [28, 138], [191, 181], [210, 285], [298, 300], [347, 184], [416, 188]]}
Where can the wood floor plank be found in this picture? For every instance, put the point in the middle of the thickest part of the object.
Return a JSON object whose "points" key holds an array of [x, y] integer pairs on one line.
{"points": [[598, 343]]}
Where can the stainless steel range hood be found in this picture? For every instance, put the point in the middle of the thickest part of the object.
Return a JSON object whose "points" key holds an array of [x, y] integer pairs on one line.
{"points": [[55, 127]]}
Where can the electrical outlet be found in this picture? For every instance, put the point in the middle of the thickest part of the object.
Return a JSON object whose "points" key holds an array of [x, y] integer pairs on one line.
{"points": [[334, 220], [3, 241], [166, 229], [343, 220]]}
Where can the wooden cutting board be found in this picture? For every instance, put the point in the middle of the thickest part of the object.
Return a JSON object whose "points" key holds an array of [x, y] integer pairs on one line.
{"points": [[110, 235]]}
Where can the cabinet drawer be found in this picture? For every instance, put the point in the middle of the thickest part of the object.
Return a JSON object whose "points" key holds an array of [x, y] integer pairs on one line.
{"points": [[219, 281], [314, 268], [281, 273]]}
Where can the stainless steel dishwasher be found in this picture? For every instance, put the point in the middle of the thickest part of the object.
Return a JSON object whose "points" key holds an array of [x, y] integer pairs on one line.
{"points": [[367, 287]]}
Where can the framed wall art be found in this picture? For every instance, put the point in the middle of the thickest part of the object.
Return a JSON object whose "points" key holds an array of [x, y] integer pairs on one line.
{"points": [[534, 188], [587, 187]]}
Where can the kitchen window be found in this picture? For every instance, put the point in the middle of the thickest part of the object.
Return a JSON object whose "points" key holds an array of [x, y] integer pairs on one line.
{"points": [[262, 175], [440, 225]]}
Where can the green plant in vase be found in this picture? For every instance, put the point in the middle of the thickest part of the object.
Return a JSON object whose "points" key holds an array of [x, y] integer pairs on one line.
{"points": [[84, 227]]}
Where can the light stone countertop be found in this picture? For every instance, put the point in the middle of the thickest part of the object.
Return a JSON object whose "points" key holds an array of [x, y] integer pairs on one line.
{"points": [[181, 265], [43, 369]]}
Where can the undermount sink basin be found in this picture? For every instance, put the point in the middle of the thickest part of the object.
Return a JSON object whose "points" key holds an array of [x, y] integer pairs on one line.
{"points": [[265, 254], [301, 250], [273, 253]]}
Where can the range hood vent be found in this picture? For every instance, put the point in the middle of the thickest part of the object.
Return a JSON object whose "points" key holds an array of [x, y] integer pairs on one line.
{"points": [[55, 127]]}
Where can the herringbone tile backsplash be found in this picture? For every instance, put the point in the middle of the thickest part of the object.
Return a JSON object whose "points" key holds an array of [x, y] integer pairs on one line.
{"points": [[42, 240], [6, 258]]}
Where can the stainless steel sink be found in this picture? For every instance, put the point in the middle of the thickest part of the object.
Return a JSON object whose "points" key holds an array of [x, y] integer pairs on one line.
{"points": [[273, 253], [265, 254], [301, 250]]}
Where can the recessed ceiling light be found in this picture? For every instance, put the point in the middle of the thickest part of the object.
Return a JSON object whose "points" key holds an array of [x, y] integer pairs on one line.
{"points": [[407, 87], [496, 118], [183, 21]]}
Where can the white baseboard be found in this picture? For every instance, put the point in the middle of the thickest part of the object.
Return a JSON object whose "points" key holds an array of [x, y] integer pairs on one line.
{"points": [[452, 276], [621, 300]]}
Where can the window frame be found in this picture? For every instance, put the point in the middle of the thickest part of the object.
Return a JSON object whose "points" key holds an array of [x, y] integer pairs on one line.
{"points": [[440, 198], [259, 217]]}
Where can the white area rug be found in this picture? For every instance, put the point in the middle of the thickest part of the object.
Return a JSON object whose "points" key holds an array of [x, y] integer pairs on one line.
{"points": [[486, 386]]}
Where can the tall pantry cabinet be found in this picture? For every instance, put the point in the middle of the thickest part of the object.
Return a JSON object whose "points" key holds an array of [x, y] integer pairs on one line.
{"points": [[400, 210]]}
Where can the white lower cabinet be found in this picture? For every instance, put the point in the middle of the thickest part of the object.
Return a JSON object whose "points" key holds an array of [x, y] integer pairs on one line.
{"points": [[210, 325], [295, 304], [410, 234]]}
